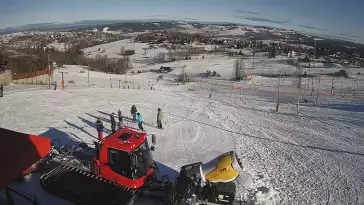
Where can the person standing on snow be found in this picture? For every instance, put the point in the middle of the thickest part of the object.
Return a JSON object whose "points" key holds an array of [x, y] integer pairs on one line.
{"points": [[1, 90], [99, 128], [113, 122], [159, 118], [133, 112], [140, 121], [120, 116]]}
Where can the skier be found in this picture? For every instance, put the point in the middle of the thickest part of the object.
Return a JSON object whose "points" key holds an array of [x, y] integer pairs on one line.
{"points": [[99, 128], [140, 121], [133, 112], [113, 122], [1, 90], [120, 116], [159, 118]]}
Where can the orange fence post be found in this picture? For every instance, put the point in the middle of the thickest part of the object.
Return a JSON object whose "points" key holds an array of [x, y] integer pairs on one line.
{"points": [[62, 80]]}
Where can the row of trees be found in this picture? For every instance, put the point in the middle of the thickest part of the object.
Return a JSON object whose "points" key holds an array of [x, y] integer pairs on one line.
{"points": [[174, 55], [127, 52], [22, 64], [35, 59]]}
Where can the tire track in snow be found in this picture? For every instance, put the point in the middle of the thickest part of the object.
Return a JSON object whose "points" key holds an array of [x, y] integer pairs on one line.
{"points": [[306, 153], [227, 122], [289, 152]]}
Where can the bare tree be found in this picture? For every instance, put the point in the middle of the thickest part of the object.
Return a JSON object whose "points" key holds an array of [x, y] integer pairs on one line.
{"points": [[98, 58], [179, 54], [121, 66], [122, 50], [170, 55], [159, 57], [242, 68], [298, 85], [182, 77], [214, 48], [238, 72]]}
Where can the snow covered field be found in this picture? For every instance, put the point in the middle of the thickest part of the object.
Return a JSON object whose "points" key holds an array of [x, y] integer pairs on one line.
{"points": [[112, 50], [314, 158], [225, 31]]}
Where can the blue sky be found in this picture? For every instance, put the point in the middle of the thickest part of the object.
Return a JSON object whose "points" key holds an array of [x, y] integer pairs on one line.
{"points": [[333, 17]]}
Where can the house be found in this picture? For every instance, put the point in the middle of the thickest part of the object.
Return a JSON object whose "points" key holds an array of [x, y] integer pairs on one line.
{"points": [[165, 69]]}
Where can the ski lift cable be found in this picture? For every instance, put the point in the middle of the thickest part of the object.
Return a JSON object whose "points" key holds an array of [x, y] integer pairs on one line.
{"points": [[246, 134]]}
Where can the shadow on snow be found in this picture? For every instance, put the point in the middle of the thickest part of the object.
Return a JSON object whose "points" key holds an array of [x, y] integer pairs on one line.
{"points": [[80, 128], [93, 124], [273, 140], [345, 107], [101, 118], [60, 138], [127, 119], [108, 114]]}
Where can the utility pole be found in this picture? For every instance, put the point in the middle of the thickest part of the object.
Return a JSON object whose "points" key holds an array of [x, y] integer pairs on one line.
{"points": [[201, 84], [279, 82], [318, 90], [212, 86], [232, 88], [299, 86], [241, 91], [253, 60], [62, 72], [88, 75], [49, 72], [298, 101], [110, 80]]}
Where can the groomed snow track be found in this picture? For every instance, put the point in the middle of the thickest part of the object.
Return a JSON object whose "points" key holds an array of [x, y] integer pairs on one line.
{"points": [[84, 188]]}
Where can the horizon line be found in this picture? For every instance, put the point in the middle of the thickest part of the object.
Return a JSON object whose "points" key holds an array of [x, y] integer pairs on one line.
{"points": [[91, 21]]}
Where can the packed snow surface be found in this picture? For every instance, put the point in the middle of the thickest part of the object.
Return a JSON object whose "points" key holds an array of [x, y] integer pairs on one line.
{"points": [[316, 157]]}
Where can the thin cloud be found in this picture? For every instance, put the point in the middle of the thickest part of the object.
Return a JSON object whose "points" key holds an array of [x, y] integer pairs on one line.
{"points": [[191, 19], [311, 27], [246, 12], [347, 35], [158, 15], [258, 19], [307, 14], [303, 14]]}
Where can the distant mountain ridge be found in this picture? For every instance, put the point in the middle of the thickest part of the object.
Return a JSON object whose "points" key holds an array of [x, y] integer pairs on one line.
{"points": [[56, 26], [139, 25]]}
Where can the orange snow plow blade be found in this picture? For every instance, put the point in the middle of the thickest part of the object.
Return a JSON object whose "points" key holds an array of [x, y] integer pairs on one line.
{"points": [[19, 151]]}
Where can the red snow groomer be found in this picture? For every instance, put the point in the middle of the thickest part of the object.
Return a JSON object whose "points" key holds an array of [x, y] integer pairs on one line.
{"points": [[121, 169]]}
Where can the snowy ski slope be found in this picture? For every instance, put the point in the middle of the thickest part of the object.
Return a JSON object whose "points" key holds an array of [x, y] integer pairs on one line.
{"points": [[314, 158]]}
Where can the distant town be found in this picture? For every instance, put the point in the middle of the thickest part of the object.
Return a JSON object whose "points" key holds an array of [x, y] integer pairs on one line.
{"points": [[28, 51]]}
